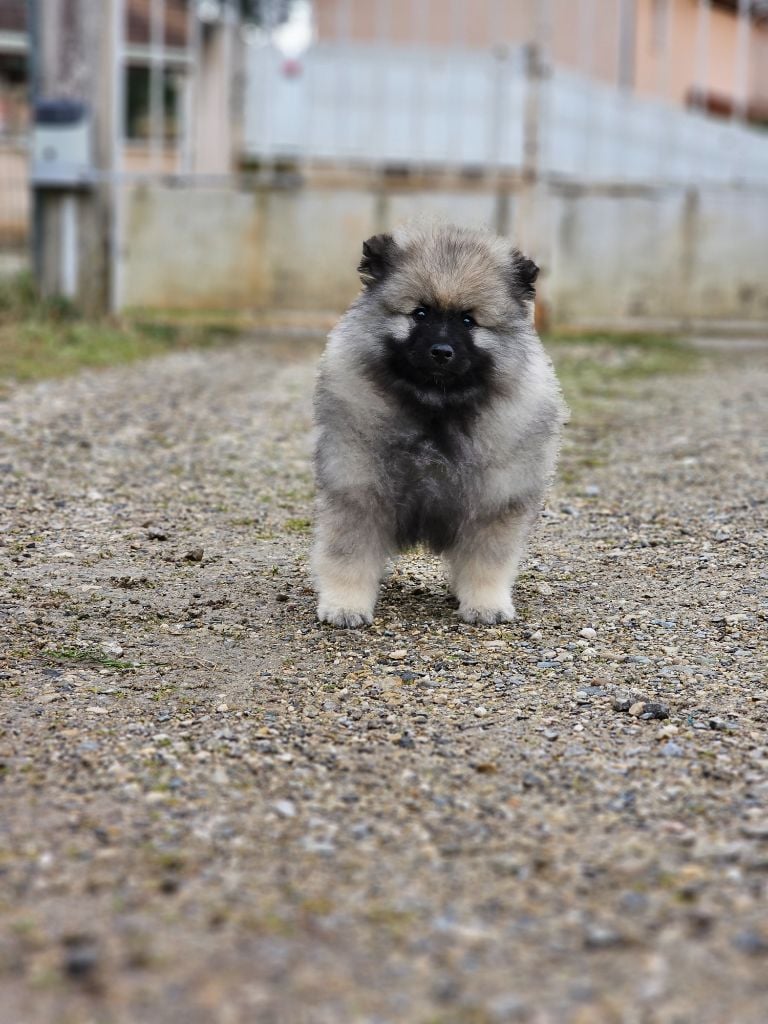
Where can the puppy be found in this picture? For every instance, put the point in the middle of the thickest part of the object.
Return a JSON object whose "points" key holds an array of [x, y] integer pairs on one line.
{"points": [[438, 418]]}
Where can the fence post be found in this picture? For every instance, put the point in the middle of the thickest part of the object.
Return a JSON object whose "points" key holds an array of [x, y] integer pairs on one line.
{"points": [[74, 58], [212, 145], [741, 70], [530, 220], [499, 113]]}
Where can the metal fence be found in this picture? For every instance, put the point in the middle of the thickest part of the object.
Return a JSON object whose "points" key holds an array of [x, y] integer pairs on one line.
{"points": [[418, 109]]}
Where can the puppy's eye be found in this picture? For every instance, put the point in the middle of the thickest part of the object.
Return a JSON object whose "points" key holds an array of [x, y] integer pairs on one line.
{"points": [[420, 313], [469, 320]]}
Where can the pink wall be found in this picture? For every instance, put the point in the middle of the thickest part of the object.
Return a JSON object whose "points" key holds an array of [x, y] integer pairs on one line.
{"points": [[477, 24], [585, 36], [675, 76]]}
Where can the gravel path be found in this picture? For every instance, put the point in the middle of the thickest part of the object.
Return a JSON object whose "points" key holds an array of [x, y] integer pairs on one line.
{"points": [[214, 810]]}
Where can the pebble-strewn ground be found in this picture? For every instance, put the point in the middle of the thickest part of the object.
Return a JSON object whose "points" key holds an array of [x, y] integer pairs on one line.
{"points": [[214, 810]]}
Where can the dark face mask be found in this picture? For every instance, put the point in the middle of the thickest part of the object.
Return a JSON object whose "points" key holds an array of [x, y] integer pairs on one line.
{"points": [[440, 347]]}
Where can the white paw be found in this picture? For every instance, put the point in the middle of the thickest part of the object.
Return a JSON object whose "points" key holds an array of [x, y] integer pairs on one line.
{"points": [[347, 618], [487, 616]]}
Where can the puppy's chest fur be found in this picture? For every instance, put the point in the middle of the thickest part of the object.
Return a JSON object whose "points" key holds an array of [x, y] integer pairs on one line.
{"points": [[428, 467]]}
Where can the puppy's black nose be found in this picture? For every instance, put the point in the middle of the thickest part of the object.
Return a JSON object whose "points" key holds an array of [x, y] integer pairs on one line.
{"points": [[441, 353]]}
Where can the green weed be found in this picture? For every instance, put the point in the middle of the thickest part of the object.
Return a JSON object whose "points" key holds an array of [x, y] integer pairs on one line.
{"points": [[85, 656]]}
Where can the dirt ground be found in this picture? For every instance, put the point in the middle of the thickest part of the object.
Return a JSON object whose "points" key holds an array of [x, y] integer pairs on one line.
{"points": [[215, 810]]}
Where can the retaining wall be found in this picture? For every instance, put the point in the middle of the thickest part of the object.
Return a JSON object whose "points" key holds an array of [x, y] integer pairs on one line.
{"points": [[619, 256]]}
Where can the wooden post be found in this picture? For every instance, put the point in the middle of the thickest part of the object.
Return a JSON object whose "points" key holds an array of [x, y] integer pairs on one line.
{"points": [[75, 58]]}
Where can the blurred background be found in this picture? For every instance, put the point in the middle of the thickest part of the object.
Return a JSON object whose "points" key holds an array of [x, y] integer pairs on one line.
{"points": [[232, 154]]}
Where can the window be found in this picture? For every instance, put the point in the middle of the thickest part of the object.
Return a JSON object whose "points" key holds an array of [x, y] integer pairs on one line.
{"points": [[138, 115], [14, 107]]}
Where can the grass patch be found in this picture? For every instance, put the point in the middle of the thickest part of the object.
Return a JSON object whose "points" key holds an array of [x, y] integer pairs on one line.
{"points": [[85, 656], [596, 371], [298, 525], [604, 366], [48, 338]]}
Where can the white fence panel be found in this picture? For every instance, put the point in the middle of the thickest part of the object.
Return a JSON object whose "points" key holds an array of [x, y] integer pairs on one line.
{"points": [[597, 133], [374, 104]]}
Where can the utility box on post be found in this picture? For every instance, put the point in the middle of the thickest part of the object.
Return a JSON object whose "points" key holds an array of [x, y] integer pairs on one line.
{"points": [[62, 171], [78, 69], [62, 152]]}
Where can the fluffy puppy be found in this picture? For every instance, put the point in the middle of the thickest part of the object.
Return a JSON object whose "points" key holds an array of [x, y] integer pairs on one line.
{"points": [[437, 418]]}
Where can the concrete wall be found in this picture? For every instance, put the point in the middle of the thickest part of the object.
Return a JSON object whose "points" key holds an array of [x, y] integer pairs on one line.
{"points": [[206, 248], [659, 255], [218, 248], [192, 248], [610, 256]]}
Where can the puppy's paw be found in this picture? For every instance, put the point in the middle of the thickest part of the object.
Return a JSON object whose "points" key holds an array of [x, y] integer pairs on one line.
{"points": [[487, 616], [347, 618]]}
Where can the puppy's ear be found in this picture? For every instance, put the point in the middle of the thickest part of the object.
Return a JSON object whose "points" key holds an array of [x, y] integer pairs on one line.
{"points": [[524, 274], [378, 259]]}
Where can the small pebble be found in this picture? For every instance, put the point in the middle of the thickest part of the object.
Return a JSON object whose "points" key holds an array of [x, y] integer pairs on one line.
{"points": [[751, 942], [81, 956], [655, 710], [755, 829], [668, 730], [600, 937], [285, 808]]}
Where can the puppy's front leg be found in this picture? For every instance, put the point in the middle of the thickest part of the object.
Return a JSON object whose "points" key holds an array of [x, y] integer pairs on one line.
{"points": [[348, 560], [483, 567]]}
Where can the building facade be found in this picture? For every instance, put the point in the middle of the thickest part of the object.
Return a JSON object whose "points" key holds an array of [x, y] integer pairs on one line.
{"points": [[688, 52]]}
